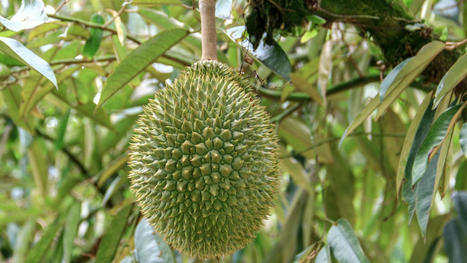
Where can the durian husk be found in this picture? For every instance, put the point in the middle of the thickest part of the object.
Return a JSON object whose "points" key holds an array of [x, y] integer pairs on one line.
{"points": [[203, 162]]}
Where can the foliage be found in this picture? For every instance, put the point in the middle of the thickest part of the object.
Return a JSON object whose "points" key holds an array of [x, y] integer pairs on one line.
{"points": [[368, 143]]}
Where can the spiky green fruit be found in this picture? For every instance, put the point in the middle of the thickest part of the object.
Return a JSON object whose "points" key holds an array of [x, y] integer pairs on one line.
{"points": [[204, 162]]}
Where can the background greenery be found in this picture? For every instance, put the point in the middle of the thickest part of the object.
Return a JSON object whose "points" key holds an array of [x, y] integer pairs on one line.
{"points": [[372, 160]]}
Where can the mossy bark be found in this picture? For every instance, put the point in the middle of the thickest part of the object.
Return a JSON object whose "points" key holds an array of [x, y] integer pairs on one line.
{"points": [[386, 21]]}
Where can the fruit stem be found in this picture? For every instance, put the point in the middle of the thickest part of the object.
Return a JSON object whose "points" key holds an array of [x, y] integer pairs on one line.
{"points": [[207, 9]]}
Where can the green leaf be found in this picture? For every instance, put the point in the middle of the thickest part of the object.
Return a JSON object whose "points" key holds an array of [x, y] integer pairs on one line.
{"points": [[344, 244], [309, 35], [94, 41], [391, 77], [16, 50], [111, 138], [112, 235], [460, 204], [139, 59], [395, 85], [361, 117], [32, 91], [112, 168], [30, 14], [38, 251], [434, 137], [454, 76], [149, 246], [61, 129], [420, 135], [324, 255], [307, 254], [463, 138], [424, 191], [270, 54], [38, 162], [297, 172], [12, 98], [455, 231], [89, 110], [408, 141], [421, 251], [455, 241], [71, 229]]}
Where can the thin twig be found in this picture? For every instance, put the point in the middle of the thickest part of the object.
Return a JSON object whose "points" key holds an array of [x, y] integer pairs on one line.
{"points": [[303, 97], [335, 139], [122, 9], [112, 31], [454, 45], [62, 4], [71, 156], [82, 61], [279, 117]]}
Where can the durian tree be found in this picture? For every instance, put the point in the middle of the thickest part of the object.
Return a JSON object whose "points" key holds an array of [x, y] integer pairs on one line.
{"points": [[233, 131]]}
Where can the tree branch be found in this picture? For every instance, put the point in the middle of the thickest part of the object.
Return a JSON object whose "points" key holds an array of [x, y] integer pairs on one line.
{"points": [[112, 31], [335, 139], [303, 97], [207, 10]]}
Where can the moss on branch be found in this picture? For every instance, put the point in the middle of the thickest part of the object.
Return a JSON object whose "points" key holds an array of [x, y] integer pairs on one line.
{"points": [[388, 22]]}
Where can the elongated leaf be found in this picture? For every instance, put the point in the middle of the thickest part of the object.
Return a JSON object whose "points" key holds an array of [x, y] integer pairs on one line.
{"points": [[455, 241], [455, 231], [391, 77], [463, 138], [71, 229], [61, 129], [303, 85], [297, 172], [307, 255], [16, 50], [223, 8], [139, 59], [38, 251], [89, 110], [111, 239], [12, 99], [434, 137], [424, 192], [408, 141], [324, 255], [454, 76], [344, 244], [112, 168], [460, 204], [94, 41], [38, 161], [150, 247], [407, 74], [325, 68], [420, 135], [32, 91], [271, 55], [361, 117], [30, 14], [422, 248], [409, 69]]}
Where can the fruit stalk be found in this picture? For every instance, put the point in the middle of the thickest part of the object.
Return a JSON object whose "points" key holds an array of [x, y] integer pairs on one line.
{"points": [[208, 29]]}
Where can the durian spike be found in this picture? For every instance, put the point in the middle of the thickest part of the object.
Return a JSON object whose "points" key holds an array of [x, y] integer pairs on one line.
{"points": [[207, 9]]}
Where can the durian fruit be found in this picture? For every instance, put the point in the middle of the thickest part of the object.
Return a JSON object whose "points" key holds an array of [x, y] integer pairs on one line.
{"points": [[204, 162]]}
